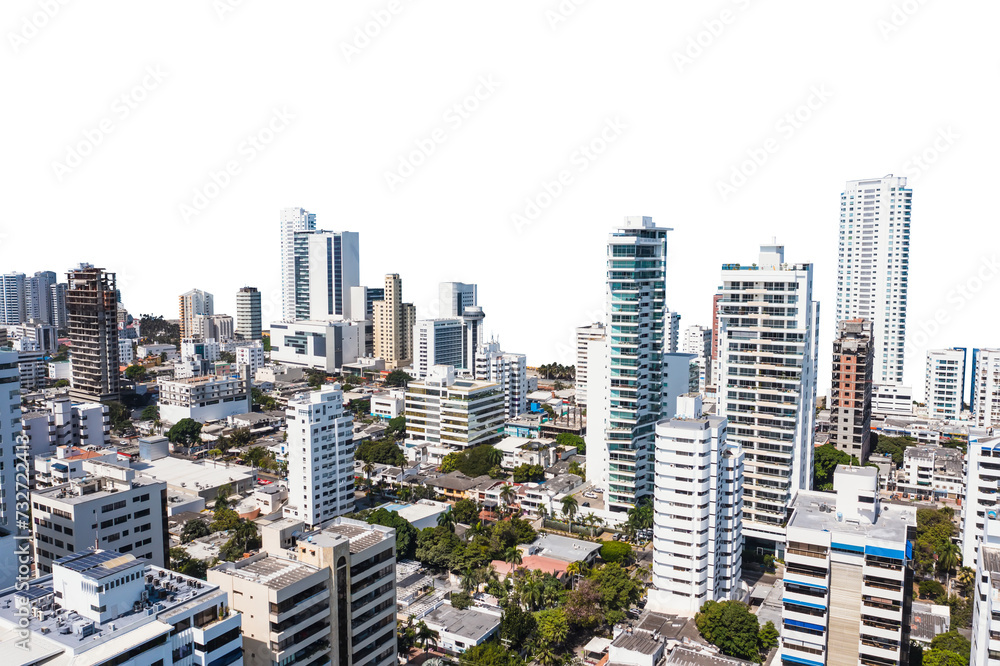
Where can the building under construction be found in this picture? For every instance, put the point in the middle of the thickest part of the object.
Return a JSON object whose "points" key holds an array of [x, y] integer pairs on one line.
{"points": [[92, 310]]}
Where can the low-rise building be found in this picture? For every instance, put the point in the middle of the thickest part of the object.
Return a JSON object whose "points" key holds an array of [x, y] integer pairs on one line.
{"points": [[932, 471], [323, 345], [203, 398], [104, 607], [68, 463], [387, 405], [563, 548], [459, 630], [519, 451]]}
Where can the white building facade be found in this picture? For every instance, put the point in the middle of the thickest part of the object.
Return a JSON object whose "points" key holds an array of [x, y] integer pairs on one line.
{"points": [[437, 342], [982, 480], [509, 371], [698, 341], [985, 402], [944, 383], [324, 345], [208, 398], [769, 335], [584, 335], [698, 512], [873, 265]]}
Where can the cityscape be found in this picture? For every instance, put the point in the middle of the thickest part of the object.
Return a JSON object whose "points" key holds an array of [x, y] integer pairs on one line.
{"points": [[351, 484]]}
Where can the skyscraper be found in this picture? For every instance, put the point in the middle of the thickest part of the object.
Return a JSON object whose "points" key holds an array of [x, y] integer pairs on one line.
{"points": [[292, 220], [14, 309], [698, 507], [38, 296], [58, 305], [768, 338], [584, 335], [944, 383], [625, 384], [472, 320], [190, 304], [437, 342], [93, 331], [248, 321], [455, 297], [320, 456], [393, 327], [323, 290], [873, 263], [851, 388], [10, 427]]}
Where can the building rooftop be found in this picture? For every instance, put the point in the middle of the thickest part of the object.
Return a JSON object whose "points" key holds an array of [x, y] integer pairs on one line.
{"points": [[457, 481], [562, 548], [69, 493], [469, 623], [193, 476], [683, 655], [637, 642], [817, 511], [274, 572], [928, 621], [360, 535]]}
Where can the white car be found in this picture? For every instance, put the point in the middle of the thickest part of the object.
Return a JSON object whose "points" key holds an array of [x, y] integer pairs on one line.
{"points": [[590, 495]]}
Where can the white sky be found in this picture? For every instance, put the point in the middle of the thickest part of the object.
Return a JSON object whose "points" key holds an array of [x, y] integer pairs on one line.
{"points": [[890, 89]]}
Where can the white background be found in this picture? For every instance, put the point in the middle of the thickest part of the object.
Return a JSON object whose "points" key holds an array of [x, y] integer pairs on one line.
{"points": [[898, 74]]}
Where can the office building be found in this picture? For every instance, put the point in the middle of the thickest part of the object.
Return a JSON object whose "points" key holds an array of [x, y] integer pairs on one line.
{"points": [[454, 297], [393, 325], [327, 267], [216, 327], [768, 327], [944, 383], [851, 388], [698, 341], [193, 303], [13, 307], [207, 398], [985, 402], [324, 345], [584, 335], [873, 266], [982, 480], [472, 336], [445, 413], [848, 575], [625, 381], [892, 399], [697, 536], [437, 342], [509, 371], [92, 314], [248, 314], [363, 308], [108, 608], [320, 456], [292, 220], [110, 506]]}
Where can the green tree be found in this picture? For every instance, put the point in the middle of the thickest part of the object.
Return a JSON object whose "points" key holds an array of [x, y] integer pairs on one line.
{"points": [[396, 427], [943, 658], [570, 506], [953, 641], [949, 558], [185, 432], [397, 378], [525, 473], [825, 460], [151, 413], [382, 451], [553, 627], [61, 383], [517, 625], [446, 519], [490, 653], [135, 373], [931, 589], [768, 637], [466, 511], [568, 440], [618, 591], [616, 551], [194, 529], [245, 538], [406, 534], [731, 627], [461, 600], [426, 635], [583, 605], [119, 416]]}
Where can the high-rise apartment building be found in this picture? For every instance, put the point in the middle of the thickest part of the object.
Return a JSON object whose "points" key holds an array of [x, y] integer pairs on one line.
{"points": [[454, 297], [437, 342], [986, 600], [92, 314], [393, 325], [327, 267], [445, 413], [873, 266], [584, 335], [320, 454], [292, 220], [509, 371], [848, 576], [768, 341], [110, 506], [985, 401], [625, 383], [38, 296], [13, 306], [10, 428], [218, 327], [248, 314], [851, 388], [191, 304], [673, 332], [944, 383], [59, 315], [982, 480], [473, 335], [698, 509], [363, 301], [698, 341]]}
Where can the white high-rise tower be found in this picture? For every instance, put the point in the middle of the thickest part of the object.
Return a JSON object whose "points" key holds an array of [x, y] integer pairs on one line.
{"points": [[768, 337], [873, 263]]}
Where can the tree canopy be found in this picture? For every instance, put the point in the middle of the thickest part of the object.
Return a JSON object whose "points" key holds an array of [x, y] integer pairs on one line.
{"points": [[185, 431], [397, 378], [731, 627], [406, 534]]}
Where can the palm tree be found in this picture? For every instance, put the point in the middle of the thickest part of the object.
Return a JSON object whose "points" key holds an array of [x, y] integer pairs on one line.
{"points": [[447, 519], [569, 508], [404, 494], [948, 558], [513, 557], [544, 653], [494, 457], [426, 635], [543, 513], [576, 570], [508, 495], [368, 468], [406, 636], [470, 580]]}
